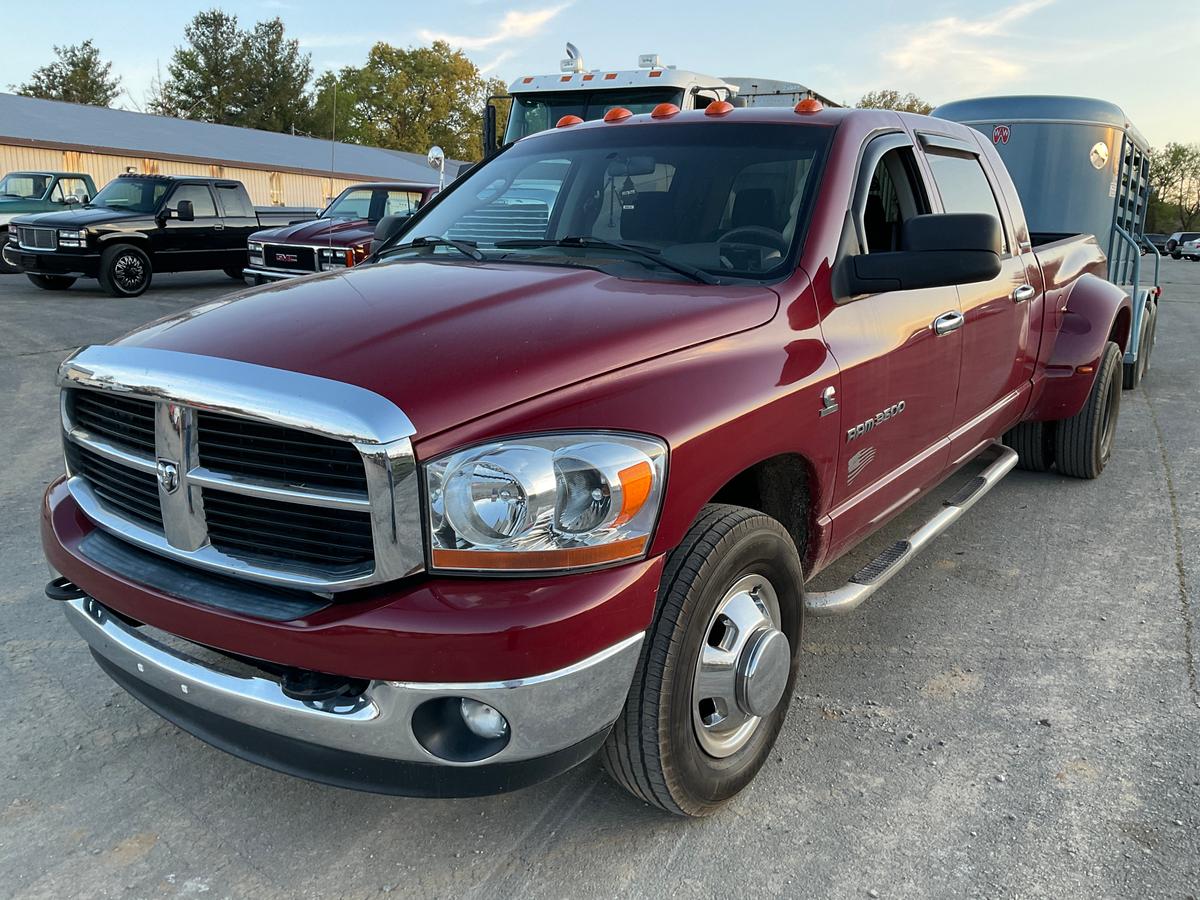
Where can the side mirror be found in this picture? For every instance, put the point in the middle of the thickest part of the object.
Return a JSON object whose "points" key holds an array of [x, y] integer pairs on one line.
{"points": [[937, 250], [388, 227], [71, 200], [184, 211]]}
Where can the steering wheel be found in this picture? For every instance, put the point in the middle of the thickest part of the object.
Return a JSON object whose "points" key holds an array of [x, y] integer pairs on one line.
{"points": [[768, 236]]}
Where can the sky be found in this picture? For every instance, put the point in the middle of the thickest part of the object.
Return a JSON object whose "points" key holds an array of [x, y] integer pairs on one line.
{"points": [[940, 49]]}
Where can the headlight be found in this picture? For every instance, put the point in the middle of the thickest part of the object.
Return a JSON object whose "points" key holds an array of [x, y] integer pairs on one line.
{"points": [[334, 258], [72, 238], [543, 503], [255, 249]]}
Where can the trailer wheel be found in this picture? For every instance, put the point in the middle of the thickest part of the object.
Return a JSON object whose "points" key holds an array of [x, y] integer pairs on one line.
{"points": [[1084, 442], [1134, 372], [717, 667], [1153, 329], [125, 271], [51, 282], [1034, 443]]}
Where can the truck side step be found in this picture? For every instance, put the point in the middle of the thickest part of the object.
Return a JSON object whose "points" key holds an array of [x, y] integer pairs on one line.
{"points": [[880, 570]]}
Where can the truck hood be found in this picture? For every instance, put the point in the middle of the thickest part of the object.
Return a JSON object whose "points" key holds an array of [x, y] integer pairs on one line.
{"points": [[80, 217], [449, 342], [336, 232]]}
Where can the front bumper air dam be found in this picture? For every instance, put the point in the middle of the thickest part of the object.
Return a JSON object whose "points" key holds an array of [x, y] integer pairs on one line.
{"points": [[556, 720]]}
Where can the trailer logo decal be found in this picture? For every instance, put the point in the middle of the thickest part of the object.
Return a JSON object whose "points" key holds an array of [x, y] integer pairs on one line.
{"points": [[875, 421], [858, 462], [1000, 134]]}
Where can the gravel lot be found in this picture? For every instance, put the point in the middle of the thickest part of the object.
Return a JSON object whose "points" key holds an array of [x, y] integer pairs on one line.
{"points": [[1016, 715]]}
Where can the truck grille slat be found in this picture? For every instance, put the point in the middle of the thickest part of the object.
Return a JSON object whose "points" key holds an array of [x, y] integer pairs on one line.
{"points": [[129, 490], [272, 530], [31, 238]]}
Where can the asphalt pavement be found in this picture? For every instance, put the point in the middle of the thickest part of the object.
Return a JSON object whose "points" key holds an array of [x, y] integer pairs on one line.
{"points": [[1016, 715]]}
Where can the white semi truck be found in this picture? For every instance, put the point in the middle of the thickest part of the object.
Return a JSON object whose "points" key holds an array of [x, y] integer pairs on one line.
{"points": [[539, 101]]}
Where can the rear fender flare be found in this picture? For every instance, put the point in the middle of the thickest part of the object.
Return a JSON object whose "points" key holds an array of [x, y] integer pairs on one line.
{"points": [[1097, 311]]}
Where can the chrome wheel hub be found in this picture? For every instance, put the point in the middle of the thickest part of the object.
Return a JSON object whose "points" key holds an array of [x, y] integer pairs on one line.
{"points": [[742, 669]]}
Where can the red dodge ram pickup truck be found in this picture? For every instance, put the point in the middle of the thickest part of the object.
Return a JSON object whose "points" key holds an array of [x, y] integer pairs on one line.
{"points": [[548, 475]]}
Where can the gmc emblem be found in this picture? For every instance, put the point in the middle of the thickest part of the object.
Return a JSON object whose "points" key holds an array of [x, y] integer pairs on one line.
{"points": [[286, 257]]}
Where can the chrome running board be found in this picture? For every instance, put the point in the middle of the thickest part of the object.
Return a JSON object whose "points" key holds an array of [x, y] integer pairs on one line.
{"points": [[875, 574]]}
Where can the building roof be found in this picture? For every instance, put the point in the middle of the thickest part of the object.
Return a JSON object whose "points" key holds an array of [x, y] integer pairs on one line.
{"points": [[27, 121]]}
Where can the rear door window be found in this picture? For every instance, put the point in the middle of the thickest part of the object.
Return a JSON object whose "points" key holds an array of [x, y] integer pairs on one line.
{"points": [[964, 187], [235, 202]]}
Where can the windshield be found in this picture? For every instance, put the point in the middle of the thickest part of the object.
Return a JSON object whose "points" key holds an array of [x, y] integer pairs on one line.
{"points": [[134, 194], [372, 204], [532, 113], [728, 199], [25, 185]]}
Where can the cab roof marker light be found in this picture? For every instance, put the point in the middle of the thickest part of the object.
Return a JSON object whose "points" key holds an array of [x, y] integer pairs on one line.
{"points": [[664, 111], [617, 114], [528, 79], [809, 105], [589, 76], [609, 76], [655, 73], [565, 78], [568, 121], [719, 108]]}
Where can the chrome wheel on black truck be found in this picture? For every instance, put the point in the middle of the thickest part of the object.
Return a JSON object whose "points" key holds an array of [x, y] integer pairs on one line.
{"points": [[717, 669], [125, 271]]}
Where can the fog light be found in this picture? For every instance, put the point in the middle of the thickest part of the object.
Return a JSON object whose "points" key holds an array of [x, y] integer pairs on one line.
{"points": [[482, 719]]}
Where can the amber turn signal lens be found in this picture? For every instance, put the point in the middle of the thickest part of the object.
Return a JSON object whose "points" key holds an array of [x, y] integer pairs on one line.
{"points": [[539, 560], [617, 114], [719, 108], [636, 482], [664, 111], [568, 121]]}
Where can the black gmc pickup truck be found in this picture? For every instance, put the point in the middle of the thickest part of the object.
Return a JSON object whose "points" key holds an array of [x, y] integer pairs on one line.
{"points": [[141, 224]]}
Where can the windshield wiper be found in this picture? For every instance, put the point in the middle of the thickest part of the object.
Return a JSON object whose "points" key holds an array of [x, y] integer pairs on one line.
{"points": [[652, 254], [466, 248]]}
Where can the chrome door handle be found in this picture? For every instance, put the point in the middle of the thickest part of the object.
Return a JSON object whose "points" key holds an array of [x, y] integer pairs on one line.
{"points": [[948, 322], [1023, 293]]}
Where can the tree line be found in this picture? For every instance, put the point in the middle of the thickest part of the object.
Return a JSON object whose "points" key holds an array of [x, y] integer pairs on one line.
{"points": [[258, 77]]}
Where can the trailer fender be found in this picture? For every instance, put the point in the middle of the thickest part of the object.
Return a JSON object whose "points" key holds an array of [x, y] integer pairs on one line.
{"points": [[1097, 311]]}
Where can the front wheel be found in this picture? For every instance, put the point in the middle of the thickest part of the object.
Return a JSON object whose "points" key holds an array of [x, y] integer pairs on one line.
{"points": [[51, 282], [1084, 441], [236, 274], [125, 271], [717, 667]]}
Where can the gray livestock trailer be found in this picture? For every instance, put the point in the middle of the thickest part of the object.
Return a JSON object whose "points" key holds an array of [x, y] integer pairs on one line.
{"points": [[1080, 166]]}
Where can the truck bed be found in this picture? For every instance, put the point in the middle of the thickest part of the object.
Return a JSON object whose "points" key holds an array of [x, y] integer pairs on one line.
{"points": [[1064, 258]]}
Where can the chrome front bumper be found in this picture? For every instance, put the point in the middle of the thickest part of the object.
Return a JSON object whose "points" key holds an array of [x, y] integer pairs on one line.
{"points": [[548, 714]]}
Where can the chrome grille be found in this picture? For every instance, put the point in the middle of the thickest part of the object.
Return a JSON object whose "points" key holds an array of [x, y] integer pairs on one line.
{"points": [[325, 501], [30, 238], [305, 257]]}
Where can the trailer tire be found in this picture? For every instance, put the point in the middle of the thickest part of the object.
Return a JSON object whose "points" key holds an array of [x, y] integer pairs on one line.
{"points": [[1034, 443], [1134, 372], [125, 271], [1083, 443], [1153, 329], [671, 746], [51, 282]]}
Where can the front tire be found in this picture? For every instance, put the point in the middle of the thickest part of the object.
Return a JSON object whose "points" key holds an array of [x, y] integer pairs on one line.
{"points": [[51, 282], [1084, 441], [717, 668], [125, 271], [236, 274]]}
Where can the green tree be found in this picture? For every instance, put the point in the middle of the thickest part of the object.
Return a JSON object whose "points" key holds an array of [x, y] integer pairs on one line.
{"points": [[406, 99], [889, 99], [204, 77], [1175, 176], [223, 74], [79, 75], [275, 76]]}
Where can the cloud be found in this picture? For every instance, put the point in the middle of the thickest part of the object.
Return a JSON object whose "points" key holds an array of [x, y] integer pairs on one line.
{"points": [[515, 24], [972, 54], [501, 58]]}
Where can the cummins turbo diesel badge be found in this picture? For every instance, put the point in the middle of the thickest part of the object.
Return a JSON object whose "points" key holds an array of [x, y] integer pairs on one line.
{"points": [[878, 419]]}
